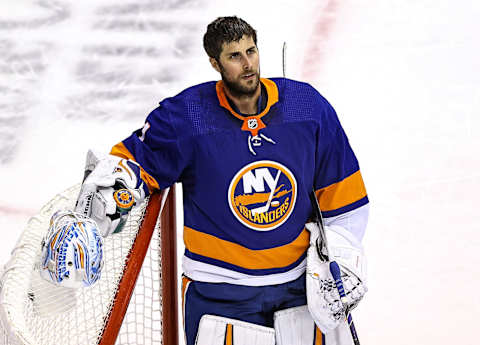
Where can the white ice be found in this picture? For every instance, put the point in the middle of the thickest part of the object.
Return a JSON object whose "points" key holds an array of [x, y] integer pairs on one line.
{"points": [[402, 75]]}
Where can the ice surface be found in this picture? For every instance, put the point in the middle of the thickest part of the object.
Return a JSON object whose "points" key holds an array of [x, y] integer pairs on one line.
{"points": [[402, 75]]}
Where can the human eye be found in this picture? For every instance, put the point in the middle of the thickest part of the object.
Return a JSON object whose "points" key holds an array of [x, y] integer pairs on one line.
{"points": [[234, 55]]}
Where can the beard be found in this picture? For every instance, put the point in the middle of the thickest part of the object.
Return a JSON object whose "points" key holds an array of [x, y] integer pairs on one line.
{"points": [[239, 89]]}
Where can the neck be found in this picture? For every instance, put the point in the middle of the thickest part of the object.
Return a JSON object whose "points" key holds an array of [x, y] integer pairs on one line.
{"points": [[246, 104]]}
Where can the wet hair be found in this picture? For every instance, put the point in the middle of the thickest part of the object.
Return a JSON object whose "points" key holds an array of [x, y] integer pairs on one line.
{"points": [[225, 30]]}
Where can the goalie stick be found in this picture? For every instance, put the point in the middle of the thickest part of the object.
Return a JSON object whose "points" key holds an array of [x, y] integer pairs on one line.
{"points": [[322, 249]]}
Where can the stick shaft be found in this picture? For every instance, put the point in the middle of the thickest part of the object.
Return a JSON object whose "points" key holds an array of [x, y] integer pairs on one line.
{"points": [[334, 268], [336, 274], [318, 218]]}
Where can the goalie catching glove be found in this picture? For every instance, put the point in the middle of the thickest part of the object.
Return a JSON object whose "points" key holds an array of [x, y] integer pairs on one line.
{"points": [[324, 303], [111, 186]]}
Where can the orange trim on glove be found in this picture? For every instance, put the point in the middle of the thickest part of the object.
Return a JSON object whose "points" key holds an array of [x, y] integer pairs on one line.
{"points": [[120, 150]]}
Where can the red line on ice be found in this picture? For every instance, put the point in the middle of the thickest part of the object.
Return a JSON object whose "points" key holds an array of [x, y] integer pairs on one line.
{"points": [[317, 45], [6, 210]]}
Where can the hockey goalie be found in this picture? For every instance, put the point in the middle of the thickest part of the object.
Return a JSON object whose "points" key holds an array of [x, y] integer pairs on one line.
{"points": [[248, 152]]}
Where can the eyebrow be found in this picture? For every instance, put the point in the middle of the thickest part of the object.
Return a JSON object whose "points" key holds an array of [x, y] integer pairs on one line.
{"points": [[238, 51]]}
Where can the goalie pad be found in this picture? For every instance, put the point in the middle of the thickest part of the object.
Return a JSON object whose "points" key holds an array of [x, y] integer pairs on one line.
{"points": [[324, 303], [104, 177], [217, 330], [72, 251], [295, 326]]}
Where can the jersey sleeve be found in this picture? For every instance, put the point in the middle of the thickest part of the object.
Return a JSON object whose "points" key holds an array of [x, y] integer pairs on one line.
{"points": [[338, 183], [156, 148]]}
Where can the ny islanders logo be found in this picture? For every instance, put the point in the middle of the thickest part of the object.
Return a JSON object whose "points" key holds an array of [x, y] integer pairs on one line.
{"points": [[262, 195]]}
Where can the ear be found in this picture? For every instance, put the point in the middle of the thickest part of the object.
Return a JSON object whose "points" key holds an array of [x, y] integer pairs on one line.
{"points": [[214, 64]]}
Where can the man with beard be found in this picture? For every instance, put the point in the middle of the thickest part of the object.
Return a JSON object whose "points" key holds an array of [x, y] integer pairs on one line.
{"points": [[249, 151]]}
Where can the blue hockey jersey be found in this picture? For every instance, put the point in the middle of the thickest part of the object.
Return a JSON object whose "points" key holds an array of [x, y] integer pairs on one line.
{"points": [[246, 179]]}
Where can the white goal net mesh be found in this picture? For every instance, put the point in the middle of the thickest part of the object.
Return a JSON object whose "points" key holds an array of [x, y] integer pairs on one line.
{"points": [[33, 311]]}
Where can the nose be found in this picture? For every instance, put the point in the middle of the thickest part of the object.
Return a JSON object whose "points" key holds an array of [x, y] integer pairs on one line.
{"points": [[247, 64]]}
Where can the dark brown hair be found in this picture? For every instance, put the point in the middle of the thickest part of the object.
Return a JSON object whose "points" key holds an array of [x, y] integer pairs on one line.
{"points": [[225, 30]]}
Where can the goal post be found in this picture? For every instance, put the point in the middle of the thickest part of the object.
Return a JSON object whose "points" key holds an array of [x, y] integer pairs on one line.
{"points": [[134, 302], [169, 270]]}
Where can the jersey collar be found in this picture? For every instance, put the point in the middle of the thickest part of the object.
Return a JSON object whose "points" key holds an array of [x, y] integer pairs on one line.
{"points": [[272, 98]]}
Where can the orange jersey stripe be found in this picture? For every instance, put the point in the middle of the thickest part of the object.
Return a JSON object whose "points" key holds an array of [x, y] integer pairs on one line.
{"points": [[120, 150], [213, 247], [342, 193]]}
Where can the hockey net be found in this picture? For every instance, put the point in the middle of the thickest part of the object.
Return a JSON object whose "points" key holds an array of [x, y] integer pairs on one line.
{"points": [[35, 312]]}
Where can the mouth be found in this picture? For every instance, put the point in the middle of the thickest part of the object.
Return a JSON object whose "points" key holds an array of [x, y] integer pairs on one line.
{"points": [[248, 76]]}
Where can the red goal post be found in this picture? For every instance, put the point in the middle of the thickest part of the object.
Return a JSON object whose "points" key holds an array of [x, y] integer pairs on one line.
{"points": [[134, 302]]}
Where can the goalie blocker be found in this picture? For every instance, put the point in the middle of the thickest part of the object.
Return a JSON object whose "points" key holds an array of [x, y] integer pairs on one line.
{"points": [[111, 187]]}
